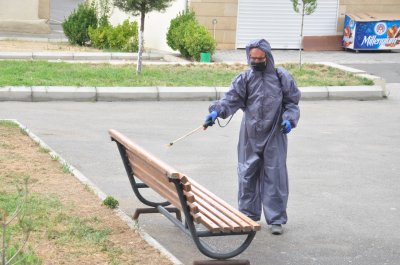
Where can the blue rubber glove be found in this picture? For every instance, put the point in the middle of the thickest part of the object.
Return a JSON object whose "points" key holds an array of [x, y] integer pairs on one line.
{"points": [[286, 127], [210, 119]]}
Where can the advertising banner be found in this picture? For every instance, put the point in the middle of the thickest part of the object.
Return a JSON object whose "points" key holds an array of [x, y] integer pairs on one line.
{"points": [[371, 32]]}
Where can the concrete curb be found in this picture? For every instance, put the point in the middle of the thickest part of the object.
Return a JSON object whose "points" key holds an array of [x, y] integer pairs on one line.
{"points": [[93, 94], [378, 81], [77, 56], [85, 181]]}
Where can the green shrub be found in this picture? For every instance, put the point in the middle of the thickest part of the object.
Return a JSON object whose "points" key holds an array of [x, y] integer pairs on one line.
{"points": [[190, 38], [77, 24], [110, 202], [123, 37], [98, 36], [176, 31], [198, 39]]}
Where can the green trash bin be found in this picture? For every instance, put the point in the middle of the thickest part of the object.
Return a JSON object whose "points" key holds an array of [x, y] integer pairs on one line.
{"points": [[205, 57]]}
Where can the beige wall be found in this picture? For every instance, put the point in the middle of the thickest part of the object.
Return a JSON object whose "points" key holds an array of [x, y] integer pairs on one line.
{"points": [[44, 9], [156, 23], [225, 13], [360, 6], [19, 9], [29, 16]]}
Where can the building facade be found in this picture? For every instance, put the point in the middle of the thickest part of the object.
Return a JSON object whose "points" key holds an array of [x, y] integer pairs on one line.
{"points": [[235, 22], [26, 16]]}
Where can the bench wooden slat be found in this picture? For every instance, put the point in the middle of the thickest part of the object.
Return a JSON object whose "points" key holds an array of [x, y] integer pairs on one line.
{"points": [[153, 170], [157, 175], [161, 189], [240, 224], [168, 192], [140, 152], [189, 196], [220, 218], [193, 208], [214, 218], [254, 225], [186, 186], [200, 218]]}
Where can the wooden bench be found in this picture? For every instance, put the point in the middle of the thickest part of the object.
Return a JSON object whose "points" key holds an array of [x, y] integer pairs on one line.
{"points": [[205, 214]]}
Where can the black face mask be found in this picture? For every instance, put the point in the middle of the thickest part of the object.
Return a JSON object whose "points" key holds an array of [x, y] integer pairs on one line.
{"points": [[258, 66]]}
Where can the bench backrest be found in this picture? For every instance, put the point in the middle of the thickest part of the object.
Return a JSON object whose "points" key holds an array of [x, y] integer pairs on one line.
{"points": [[149, 169], [205, 207]]}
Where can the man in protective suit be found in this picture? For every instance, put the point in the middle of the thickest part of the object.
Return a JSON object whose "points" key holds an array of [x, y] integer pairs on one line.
{"points": [[269, 98]]}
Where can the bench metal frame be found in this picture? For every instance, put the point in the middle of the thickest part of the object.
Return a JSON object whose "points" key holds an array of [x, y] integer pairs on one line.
{"points": [[188, 226]]}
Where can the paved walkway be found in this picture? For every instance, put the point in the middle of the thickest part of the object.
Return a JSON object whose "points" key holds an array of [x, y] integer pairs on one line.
{"points": [[343, 207], [292, 56], [343, 167]]}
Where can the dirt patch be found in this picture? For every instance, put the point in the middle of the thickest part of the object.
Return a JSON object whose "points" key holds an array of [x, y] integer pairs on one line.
{"points": [[20, 156], [39, 46]]}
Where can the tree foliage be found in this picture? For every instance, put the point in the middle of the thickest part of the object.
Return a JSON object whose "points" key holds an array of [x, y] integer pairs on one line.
{"points": [[141, 7], [304, 7], [138, 7], [308, 6]]}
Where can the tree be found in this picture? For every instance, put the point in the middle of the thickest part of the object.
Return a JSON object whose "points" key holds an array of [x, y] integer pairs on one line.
{"points": [[142, 7], [307, 8]]}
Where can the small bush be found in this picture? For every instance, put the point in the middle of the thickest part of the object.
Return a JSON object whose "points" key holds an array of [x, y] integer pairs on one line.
{"points": [[98, 36], [176, 31], [77, 24], [190, 38], [198, 39], [110, 202], [123, 37]]}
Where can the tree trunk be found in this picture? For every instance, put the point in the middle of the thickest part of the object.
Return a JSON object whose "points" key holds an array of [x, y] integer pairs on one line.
{"points": [[301, 35], [141, 40]]}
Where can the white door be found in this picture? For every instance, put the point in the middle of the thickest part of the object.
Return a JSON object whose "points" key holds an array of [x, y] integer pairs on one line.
{"points": [[279, 24]]}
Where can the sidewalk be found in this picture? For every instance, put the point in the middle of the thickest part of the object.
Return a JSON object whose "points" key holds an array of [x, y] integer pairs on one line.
{"points": [[313, 236]]}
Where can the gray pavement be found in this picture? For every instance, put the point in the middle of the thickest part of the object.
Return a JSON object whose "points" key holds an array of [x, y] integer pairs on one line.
{"points": [[292, 56], [344, 204]]}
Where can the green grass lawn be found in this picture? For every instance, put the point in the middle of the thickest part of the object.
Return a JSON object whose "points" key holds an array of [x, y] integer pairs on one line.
{"points": [[42, 73]]}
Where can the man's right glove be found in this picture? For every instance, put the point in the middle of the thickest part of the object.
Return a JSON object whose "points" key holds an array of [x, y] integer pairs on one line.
{"points": [[286, 127], [210, 119]]}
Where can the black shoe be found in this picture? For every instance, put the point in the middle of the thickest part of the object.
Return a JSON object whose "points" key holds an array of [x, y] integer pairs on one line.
{"points": [[276, 229]]}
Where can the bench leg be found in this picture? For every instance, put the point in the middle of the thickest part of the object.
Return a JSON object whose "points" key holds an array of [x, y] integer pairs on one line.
{"points": [[214, 254], [139, 211], [222, 262], [201, 245]]}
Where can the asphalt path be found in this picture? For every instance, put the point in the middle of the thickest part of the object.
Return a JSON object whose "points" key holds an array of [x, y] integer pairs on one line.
{"points": [[389, 71], [344, 202], [61, 9]]}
